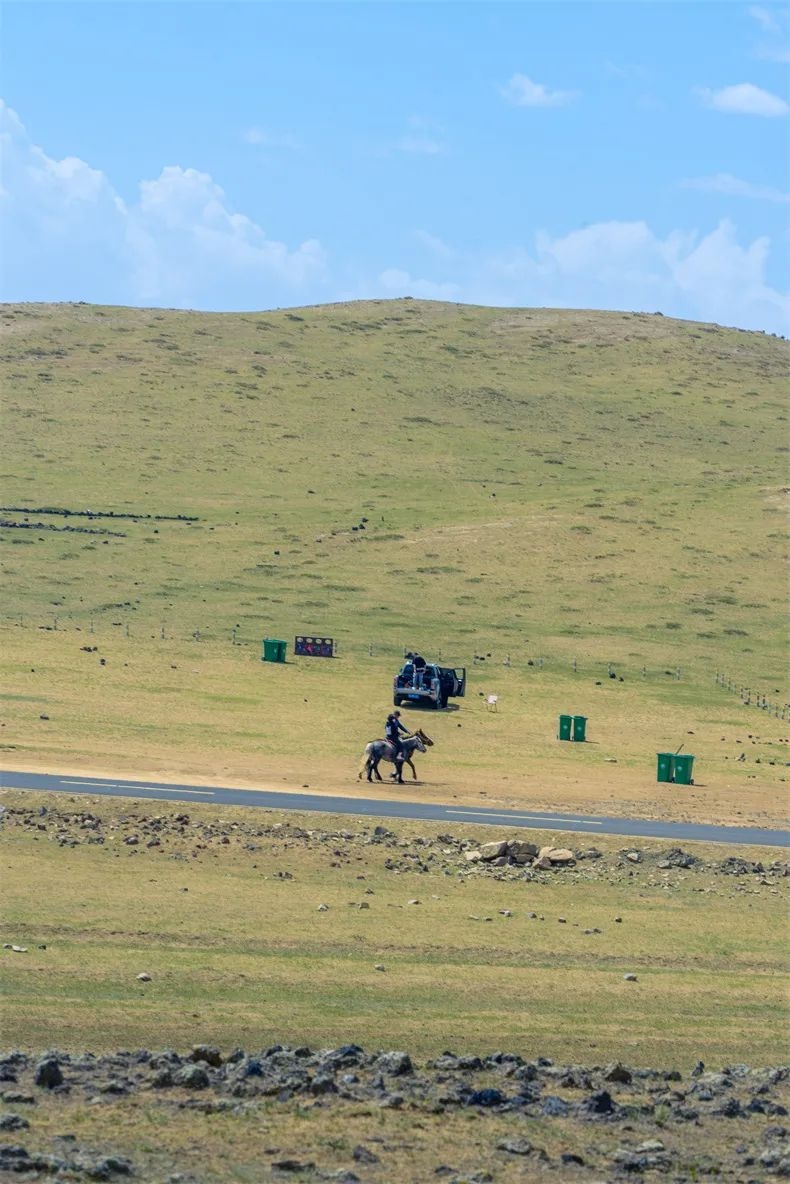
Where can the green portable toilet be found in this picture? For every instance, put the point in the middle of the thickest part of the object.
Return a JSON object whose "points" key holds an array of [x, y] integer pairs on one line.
{"points": [[564, 729], [666, 766], [273, 651], [579, 727], [684, 763]]}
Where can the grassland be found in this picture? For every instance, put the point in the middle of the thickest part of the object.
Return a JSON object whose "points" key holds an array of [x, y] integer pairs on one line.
{"points": [[223, 913], [257, 929], [585, 509], [527, 486]]}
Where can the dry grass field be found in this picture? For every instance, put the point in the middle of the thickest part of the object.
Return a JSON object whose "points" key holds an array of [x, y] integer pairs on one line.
{"points": [[524, 486], [587, 510], [256, 929]]}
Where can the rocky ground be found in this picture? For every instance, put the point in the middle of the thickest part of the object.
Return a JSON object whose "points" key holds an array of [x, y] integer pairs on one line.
{"points": [[531, 1118], [193, 836], [612, 1122]]}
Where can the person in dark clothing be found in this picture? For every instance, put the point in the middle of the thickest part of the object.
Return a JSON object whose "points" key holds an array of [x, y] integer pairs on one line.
{"points": [[392, 730], [419, 669]]}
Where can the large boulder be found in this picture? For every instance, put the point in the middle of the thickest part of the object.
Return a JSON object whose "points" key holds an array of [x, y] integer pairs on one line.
{"points": [[522, 851], [491, 851], [557, 856]]}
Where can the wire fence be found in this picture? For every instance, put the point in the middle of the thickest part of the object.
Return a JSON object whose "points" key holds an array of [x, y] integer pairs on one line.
{"points": [[753, 698], [478, 659]]}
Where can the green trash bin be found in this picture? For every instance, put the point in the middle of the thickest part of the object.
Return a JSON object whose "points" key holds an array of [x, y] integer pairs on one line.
{"points": [[564, 728], [283, 647], [273, 650], [684, 764], [666, 766], [579, 727]]}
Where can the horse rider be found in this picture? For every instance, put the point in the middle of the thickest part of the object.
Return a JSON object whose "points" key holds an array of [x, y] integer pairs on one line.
{"points": [[392, 729]]}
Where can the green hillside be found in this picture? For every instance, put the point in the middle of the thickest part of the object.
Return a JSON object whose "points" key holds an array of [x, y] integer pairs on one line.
{"points": [[528, 483], [541, 475]]}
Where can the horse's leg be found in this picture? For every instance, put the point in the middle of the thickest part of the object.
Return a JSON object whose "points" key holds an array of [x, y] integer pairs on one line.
{"points": [[369, 768], [399, 767], [410, 763], [376, 768]]}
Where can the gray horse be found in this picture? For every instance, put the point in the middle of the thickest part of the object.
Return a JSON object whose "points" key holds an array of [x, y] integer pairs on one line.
{"points": [[381, 750]]}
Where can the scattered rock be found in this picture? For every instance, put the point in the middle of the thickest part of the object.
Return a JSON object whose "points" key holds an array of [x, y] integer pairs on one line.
{"points": [[207, 1054], [493, 850], [557, 856], [191, 1077], [48, 1073], [363, 1154], [13, 1122], [515, 1146]]}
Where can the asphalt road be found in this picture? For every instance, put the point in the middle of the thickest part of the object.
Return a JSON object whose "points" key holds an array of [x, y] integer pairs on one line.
{"points": [[676, 832]]}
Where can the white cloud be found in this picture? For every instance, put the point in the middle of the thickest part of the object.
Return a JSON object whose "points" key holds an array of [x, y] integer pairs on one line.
{"points": [[625, 265], [629, 72], [67, 235], [775, 27], [523, 92], [431, 243], [765, 19], [185, 234], [394, 282], [258, 137], [420, 145], [425, 138], [735, 187], [744, 99]]}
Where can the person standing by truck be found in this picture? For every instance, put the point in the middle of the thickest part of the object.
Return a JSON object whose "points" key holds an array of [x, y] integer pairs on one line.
{"points": [[392, 729]]}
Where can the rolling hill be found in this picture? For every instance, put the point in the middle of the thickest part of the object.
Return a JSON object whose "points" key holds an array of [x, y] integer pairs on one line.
{"points": [[524, 486]]}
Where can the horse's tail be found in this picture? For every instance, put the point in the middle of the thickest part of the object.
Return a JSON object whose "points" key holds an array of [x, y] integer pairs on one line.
{"points": [[364, 762]]}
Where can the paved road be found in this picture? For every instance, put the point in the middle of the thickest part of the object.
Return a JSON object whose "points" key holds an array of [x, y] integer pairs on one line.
{"points": [[676, 832]]}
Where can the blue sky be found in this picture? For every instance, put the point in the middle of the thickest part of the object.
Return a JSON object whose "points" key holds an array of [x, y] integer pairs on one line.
{"points": [[251, 155]]}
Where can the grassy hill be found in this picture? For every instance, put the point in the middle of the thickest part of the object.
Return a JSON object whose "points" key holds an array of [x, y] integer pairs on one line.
{"points": [[517, 484]]}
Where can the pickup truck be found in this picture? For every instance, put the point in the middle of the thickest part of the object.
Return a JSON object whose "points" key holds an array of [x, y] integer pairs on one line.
{"points": [[430, 684]]}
